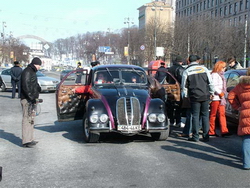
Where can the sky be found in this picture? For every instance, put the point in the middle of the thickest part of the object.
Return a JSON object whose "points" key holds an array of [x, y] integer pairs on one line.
{"points": [[54, 19]]}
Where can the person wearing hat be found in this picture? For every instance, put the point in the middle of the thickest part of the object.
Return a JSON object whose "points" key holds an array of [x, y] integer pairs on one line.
{"points": [[174, 107], [15, 73], [161, 75], [233, 64], [29, 96]]}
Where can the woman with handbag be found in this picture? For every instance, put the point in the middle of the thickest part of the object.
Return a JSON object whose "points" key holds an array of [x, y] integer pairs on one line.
{"points": [[217, 106]]}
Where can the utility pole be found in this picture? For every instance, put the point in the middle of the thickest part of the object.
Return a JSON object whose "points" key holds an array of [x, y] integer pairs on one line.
{"points": [[154, 8], [128, 21]]}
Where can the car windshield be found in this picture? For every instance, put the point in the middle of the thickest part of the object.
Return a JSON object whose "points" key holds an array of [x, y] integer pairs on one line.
{"points": [[121, 76], [39, 74]]}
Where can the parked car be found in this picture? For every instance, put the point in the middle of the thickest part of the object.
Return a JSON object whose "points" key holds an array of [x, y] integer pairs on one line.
{"points": [[46, 83], [232, 79], [69, 77], [116, 105]]}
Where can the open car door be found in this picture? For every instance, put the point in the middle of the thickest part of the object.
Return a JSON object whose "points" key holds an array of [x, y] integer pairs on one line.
{"points": [[172, 89], [71, 106]]}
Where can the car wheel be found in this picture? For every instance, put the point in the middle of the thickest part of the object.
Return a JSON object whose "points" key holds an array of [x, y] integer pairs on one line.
{"points": [[3, 88], [87, 134]]}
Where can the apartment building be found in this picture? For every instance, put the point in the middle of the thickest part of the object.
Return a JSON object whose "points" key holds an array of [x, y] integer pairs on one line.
{"points": [[231, 11], [159, 11]]}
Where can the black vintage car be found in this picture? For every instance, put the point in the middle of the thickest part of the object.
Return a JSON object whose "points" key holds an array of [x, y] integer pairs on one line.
{"points": [[119, 101]]}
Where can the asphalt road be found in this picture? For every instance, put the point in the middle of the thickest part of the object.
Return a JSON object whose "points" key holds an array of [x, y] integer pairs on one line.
{"points": [[62, 159]]}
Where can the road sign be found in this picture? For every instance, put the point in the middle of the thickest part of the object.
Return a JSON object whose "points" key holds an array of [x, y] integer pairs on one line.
{"points": [[104, 49], [159, 51], [142, 47], [110, 53]]}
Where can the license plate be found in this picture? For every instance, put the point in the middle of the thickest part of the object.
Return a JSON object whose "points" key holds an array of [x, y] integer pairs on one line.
{"points": [[51, 88], [129, 128]]}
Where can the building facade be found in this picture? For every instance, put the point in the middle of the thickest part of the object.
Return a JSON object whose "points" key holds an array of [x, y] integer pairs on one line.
{"points": [[231, 11], [160, 11]]}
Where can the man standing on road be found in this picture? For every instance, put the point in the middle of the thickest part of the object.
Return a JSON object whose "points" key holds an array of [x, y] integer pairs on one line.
{"points": [[29, 96], [174, 110], [161, 74], [197, 85], [15, 73]]}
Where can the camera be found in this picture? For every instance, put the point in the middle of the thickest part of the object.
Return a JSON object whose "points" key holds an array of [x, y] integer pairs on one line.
{"points": [[39, 100]]}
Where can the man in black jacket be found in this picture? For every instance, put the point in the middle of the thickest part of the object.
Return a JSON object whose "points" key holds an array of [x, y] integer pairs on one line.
{"points": [[29, 96], [161, 74], [174, 107], [15, 73]]}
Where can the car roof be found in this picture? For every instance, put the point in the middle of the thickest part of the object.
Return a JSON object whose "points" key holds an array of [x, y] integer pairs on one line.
{"points": [[116, 66], [239, 71]]}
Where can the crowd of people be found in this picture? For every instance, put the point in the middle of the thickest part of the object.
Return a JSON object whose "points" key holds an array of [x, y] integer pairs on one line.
{"points": [[203, 101], [202, 98]]}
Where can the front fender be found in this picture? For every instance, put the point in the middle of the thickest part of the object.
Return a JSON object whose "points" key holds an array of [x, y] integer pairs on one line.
{"points": [[98, 107], [156, 106]]}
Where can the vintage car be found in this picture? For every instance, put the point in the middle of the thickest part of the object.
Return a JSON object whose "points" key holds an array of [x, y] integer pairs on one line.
{"points": [[232, 79], [123, 103]]}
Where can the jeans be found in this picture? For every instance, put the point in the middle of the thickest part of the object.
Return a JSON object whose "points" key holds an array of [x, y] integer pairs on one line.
{"points": [[246, 151], [200, 112], [14, 85], [188, 128], [174, 112]]}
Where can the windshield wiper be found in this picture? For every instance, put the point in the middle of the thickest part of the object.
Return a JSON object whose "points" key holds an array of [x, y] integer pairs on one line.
{"points": [[114, 83]]}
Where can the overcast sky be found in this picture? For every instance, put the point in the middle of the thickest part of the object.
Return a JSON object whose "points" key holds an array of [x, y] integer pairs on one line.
{"points": [[53, 19]]}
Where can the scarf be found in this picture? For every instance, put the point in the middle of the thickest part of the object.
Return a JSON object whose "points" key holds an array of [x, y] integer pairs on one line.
{"points": [[224, 88]]}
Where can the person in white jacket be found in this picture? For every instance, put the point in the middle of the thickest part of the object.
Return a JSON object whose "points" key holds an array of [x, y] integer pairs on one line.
{"points": [[217, 106]]}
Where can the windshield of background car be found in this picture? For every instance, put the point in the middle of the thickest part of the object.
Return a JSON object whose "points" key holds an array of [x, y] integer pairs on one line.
{"points": [[39, 74], [232, 79], [120, 76]]}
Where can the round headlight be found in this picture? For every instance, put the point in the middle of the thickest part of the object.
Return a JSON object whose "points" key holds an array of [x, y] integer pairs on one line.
{"points": [[152, 117], [103, 118], [93, 118], [161, 118]]}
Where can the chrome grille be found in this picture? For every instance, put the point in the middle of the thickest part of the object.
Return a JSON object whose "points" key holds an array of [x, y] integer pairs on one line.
{"points": [[128, 111]]}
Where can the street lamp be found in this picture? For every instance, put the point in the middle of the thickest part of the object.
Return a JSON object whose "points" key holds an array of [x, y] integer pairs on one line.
{"points": [[109, 35], [128, 21], [3, 34], [154, 9]]}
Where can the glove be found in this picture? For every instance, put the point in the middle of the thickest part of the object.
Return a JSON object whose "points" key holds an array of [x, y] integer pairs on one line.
{"points": [[33, 101], [221, 95]]}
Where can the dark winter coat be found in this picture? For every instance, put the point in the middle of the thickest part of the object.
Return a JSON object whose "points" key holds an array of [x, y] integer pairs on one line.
{"points": [[15, 73], [177, 71], [160, 74], [29, 86]]}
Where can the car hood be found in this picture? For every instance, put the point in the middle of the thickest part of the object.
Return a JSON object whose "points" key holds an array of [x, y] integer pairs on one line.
{"points": [[112, 95], [46, 78]]}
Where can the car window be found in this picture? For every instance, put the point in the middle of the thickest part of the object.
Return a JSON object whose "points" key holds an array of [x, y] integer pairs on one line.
{"points": [[6, 72], [123, 76], [232, 79], [39, 74]]}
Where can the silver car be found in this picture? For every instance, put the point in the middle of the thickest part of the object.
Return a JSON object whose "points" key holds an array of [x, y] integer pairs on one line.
{"points": [[46, 83]]}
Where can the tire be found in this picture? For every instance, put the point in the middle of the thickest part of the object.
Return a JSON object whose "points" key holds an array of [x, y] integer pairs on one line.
{"points": [[161, 136], [3, 88], [88, 136]]}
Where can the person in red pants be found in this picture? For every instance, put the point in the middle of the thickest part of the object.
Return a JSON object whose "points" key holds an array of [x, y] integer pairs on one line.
{"points": [[217, 106]]}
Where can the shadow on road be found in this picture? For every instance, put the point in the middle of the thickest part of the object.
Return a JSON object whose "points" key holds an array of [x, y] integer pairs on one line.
{"points": [[74, 132], [10, 137], [226, 151]]}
